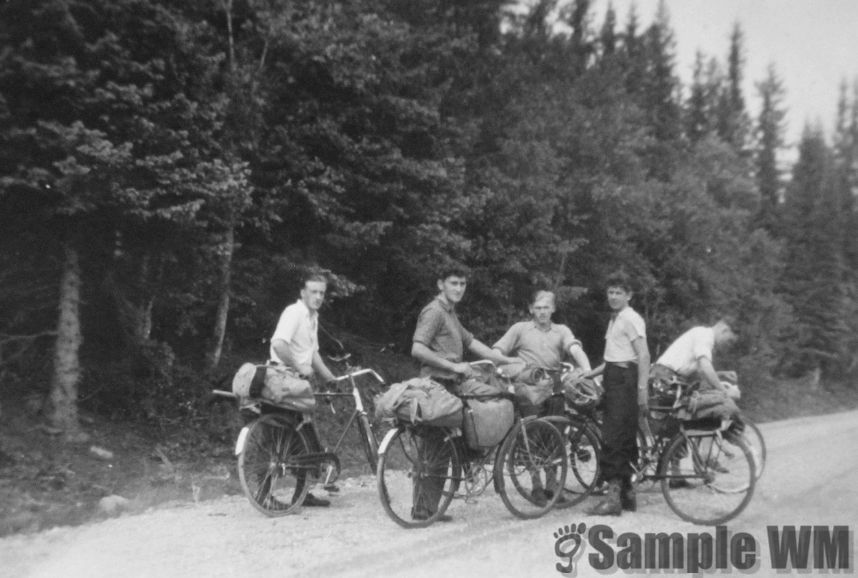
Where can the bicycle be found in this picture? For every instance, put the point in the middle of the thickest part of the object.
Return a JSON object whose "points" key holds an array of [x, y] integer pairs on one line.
{"points": [[707, 471], [582, 433], [418, 462], [666, 393], [580, 430], [276, 454]]}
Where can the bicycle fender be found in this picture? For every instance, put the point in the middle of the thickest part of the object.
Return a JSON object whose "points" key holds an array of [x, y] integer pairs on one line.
{"points": [[242, 436], [382, 447]]}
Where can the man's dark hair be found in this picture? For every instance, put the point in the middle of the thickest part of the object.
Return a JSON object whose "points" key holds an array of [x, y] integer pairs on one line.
{"points": [[620, 279], [453, 270]]}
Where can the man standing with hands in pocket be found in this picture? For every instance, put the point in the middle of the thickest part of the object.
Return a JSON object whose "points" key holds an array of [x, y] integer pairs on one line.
{"points": [[626, 370]]}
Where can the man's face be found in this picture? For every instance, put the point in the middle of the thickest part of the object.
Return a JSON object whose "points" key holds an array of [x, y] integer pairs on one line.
{"points": [[542, 311], [724, 335], [618, 298], [453, 288], [313, 294]]}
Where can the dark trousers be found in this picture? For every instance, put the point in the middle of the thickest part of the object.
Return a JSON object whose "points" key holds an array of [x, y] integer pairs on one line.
{"points": [[435, 462], [619, 422]]}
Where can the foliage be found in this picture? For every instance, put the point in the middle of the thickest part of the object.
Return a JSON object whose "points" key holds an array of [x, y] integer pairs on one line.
{"points": [[200, 156]]}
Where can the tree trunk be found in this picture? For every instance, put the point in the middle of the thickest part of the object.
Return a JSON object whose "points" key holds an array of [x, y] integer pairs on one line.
{"points": [[63, 397], [227, 247]]}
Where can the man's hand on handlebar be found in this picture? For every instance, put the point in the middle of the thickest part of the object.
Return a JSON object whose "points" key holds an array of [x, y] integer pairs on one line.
{"points": [[464, 369]]}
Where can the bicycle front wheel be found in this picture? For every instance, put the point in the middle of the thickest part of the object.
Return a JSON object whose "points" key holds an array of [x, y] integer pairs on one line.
{"points": [[583, 448], [757, 444], [531, 467], [370, 444], [272, 474], [707, 478], [419, 470]]}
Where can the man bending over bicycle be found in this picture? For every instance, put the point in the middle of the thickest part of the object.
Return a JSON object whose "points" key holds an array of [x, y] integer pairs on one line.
{"points": [[295, 343], [439, 345], [689, 358]]}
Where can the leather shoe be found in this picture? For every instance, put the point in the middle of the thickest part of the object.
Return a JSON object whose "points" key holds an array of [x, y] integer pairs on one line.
{"points": [[678, 483], [426, 515], [610, 505], [628, 499], [314, 502], [540, 497]]}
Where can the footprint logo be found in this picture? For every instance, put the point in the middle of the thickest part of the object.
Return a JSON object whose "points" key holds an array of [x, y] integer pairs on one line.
{"points": [[567, 545]]}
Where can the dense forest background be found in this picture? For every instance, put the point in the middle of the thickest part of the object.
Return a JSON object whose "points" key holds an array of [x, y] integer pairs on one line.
{"points": [[168, 169]]}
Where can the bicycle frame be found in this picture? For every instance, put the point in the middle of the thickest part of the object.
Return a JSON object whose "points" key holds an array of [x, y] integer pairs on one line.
{"points": [[354, 393]]}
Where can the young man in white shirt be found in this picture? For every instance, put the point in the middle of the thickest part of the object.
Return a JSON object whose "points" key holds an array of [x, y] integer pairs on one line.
{"points": [[626, 370], [691, 354], [295, 343]]}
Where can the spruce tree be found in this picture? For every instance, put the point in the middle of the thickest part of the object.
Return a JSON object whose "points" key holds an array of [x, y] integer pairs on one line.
{"points": [[769, 143]]}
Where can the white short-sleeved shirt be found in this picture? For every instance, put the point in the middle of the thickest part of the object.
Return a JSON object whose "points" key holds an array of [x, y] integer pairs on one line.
{"points": [[683, 354], [298, 327], [623, 330]]}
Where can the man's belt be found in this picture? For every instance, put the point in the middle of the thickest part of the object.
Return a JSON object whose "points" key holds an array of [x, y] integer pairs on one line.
{"points": [[623, 364]]}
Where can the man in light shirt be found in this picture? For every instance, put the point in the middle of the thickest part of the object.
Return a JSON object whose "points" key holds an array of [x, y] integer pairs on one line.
{"points": [[541, 344], [626, 369], [295, 343], [296, 339], [690, 356]]}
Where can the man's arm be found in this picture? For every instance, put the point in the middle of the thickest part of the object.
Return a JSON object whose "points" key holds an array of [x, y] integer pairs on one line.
{"points": [[596, 372], [321, 369], [642, 351], [482, 350], [424, 355], [708, 373], [581, 359]]}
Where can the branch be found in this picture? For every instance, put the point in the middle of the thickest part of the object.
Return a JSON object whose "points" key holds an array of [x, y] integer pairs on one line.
{"points": [[4, 338]]}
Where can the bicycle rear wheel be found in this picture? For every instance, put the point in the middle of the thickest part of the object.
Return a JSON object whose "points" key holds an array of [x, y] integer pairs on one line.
{"points": [[757, 444], [419, 469], [531, 467], [270, 469], [707, 478]]}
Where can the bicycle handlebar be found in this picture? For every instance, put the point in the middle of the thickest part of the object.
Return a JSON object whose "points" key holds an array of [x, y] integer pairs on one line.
{"points": [[359, 372]]}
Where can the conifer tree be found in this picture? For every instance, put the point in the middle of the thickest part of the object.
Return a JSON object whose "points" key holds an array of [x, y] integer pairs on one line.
{"points": [[814, 275], [769, 143], [732, 121]]}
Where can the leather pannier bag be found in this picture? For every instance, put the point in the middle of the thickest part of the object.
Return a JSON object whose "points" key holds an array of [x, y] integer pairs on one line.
{"points": [[486, 422]]}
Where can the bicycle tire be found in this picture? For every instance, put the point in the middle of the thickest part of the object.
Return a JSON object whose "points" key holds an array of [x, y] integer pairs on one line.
{"points": [[268, 469], [368, 441], [533, 449], [416, 464], [757, 444], [584, 451], [717, 473], [645, 466]]}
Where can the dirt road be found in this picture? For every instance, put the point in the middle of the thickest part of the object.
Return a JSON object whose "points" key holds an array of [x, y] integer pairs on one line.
{"points": [[809, 480]]}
